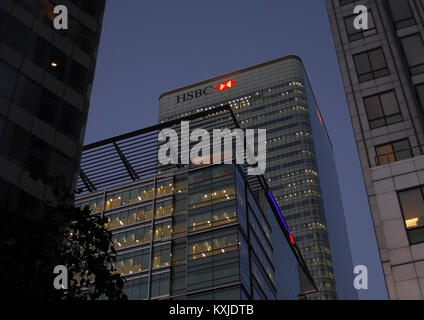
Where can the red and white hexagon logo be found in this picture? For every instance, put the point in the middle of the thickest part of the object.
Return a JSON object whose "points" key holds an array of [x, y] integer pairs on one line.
{"points": [[225, 85]]}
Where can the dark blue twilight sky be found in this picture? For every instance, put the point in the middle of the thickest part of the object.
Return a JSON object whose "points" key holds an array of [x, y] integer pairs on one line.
{"points": [[149, 47]]}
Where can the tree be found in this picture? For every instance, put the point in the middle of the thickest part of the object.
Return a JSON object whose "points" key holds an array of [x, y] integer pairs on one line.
{"points": [[31, 247]]}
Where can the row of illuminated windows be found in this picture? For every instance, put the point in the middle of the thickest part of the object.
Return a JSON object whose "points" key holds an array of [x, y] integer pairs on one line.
{"points": [[295, 184], [200, 219], [132, 262], [298, 110], [257, 94], [309, 226], [132, 237], [213, 259], [319, 261], [135, 215], [139, 261], [259, 99], [302, 194], [147, 192], [142, 235], [217, 195], [209, 245], [95, 205], [316, 248], [118, 199], [205, 218], [287, 176]]}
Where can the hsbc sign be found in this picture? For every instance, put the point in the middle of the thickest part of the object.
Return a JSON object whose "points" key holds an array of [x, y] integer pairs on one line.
{"points": [[188, 96]]}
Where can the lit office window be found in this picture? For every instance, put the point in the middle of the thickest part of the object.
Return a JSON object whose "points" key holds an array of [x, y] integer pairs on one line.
{"points": [[413, 49], [161, 256], [355, 34], [132, 262], [132, 237], [394, 151], [165, 188], [412, 204], [163, 230], [382, 109], [370, 65], [401, 12], [164, 209]]}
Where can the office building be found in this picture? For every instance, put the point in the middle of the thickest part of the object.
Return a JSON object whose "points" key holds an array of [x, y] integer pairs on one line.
{"points": [[45, 85], [190, 232], [383, 76], [277, 96]]}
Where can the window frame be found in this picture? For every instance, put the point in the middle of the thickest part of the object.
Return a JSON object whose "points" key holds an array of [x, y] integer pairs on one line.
{"points": [[379, 94], [403, 213], [394, 153], [373, 72], [414, 69], [363, 33]]}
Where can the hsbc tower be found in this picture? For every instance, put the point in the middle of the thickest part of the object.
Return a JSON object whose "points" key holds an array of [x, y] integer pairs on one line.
{"points": [[276, 96]]}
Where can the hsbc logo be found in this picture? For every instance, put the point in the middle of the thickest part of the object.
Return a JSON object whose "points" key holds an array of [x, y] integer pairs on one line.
{"points": [[225, 85], [188, 96]]}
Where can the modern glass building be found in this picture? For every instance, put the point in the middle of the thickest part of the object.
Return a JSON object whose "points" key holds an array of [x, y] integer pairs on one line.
{"points": [[383, 75], [45, 85], [190, 232], [277, 96]]}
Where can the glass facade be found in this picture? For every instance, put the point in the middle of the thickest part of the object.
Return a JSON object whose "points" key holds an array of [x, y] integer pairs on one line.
{"points": [[199, 234], [277, 96]]}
